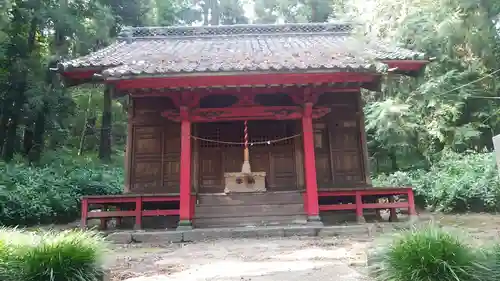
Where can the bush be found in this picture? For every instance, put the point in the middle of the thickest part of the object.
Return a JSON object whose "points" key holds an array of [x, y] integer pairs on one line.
{"points": [[456, 183], [65, 256], [427, 254], [51, 192]]}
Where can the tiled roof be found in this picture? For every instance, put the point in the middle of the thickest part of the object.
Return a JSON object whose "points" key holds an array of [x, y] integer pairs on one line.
{"points": [[239, 48]]}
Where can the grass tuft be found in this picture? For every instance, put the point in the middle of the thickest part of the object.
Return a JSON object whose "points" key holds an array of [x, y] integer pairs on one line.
{"points": [[50, 256], [426, 254]]}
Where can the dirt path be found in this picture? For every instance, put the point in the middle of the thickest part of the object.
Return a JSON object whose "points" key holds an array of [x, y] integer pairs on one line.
{"points": [[305, 259], [244, 259]]}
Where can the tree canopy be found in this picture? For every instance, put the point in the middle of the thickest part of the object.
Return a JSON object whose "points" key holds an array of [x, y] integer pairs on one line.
{"points": [[453, 105]]}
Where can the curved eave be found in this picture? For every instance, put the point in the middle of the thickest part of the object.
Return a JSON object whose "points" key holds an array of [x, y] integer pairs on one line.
{"points": [[243, 80], [76, 76], [407, 67]]}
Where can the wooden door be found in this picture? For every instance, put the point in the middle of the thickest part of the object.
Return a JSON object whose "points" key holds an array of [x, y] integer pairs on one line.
{"points": [[276, 158], [346, 148], [322, 153]]}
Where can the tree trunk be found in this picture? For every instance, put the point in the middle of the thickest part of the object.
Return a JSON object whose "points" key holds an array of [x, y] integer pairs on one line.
{"points": [[105, 141], [28, 139], [85, 126], [18, 91], [214, 12], [4, 121], [38, 135]]}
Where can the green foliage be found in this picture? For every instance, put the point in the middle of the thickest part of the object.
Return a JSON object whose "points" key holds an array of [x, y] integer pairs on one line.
{"points": [[64, 256], [426, 254], [455, 183], [51, 192], [453, 104]]}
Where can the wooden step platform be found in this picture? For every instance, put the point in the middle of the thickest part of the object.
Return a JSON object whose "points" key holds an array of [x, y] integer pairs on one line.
{"points": [[249, 209]]}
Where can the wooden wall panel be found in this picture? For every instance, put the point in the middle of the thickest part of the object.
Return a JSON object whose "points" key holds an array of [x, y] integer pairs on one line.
{"points": [[338, 142], [155, 160], [322, 153], [346, 148]]}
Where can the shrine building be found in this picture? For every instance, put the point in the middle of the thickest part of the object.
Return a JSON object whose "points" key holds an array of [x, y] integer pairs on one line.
{"points": [[245, 124]]}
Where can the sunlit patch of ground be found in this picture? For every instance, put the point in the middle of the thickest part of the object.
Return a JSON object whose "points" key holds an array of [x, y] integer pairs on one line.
{"points": [[333, 258]]}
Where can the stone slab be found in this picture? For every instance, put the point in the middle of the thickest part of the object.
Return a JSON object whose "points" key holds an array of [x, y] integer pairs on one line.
{"points": [[120, 237], [249, 232], [333, 231], [205, 234], [157, 237], [290, 231]]}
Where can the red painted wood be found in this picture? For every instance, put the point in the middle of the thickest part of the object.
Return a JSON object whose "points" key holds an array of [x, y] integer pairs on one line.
{"points": [[310, 162], [85, 210], [406, 65], [242, 80], [237, 91], [395, 205], [138, 213], [118, 219], [337, 207], [112, 214], [105, 200], [81, 74], [104, 221], [155, 213], [374, 191], [411, 202], [160, 198], [246, 113], [359, 205], [185, 169]]}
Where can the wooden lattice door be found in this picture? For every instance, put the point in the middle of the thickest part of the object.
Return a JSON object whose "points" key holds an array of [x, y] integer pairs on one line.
{"points": [[224, 153]]}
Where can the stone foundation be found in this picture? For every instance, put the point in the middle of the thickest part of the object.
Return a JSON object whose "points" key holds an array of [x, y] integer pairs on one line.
{"points": [[238, 182]]}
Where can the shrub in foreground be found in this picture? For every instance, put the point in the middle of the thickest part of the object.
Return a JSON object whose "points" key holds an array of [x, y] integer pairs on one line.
{"points": [[50, 256], [51, 192], [426, 254], [456, 183]]}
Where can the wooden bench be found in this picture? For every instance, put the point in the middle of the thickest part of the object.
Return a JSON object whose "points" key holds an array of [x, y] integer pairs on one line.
{"points": [[373, 193], [126, 205]]}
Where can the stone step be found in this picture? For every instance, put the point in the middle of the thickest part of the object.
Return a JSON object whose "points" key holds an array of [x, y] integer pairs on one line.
{"points": [[250, 221], [284, 197], [224, 211]]}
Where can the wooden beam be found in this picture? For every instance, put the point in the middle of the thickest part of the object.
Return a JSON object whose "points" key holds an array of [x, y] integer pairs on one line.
{"points": [[237, 91], [243, 80], [185, 214], [246, 113], [310, 165]]}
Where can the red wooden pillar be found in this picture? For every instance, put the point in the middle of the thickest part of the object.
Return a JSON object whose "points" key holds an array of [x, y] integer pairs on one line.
{"points": [[185, 172], [310, 165]]}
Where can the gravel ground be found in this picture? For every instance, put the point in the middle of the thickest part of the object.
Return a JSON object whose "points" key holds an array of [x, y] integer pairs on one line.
{"points": [[243, 259], [285, 259]]}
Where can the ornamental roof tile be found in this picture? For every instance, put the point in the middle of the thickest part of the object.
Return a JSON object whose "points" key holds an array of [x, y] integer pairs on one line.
{"points": [[239, 48]]}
